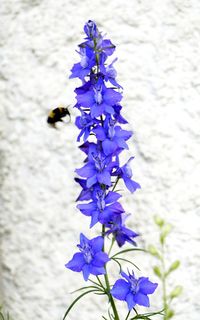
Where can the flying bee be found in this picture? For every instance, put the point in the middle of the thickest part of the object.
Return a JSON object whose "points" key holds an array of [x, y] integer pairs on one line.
{"points": [[57, 114]]}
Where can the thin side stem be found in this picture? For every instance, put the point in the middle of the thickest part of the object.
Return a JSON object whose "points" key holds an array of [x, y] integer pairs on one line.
{"points": [[128, 315], [165, 306], [110, 297], [108, 284], [112, 243], [115, 184]]}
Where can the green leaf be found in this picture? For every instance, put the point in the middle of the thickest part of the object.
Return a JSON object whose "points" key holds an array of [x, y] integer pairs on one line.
{"points": [[127, 250], [126, 260], [147, 315], [119, 264], [76, 300], [154, 252], [157, 271], [159, 221], [176, 292], [140, 316], [87, 287]]}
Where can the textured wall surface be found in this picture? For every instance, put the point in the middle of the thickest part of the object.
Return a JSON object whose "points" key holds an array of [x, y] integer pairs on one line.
{"points": [[158, 66]]}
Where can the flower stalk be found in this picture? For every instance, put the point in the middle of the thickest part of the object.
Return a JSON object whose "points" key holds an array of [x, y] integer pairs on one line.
{"points": [[103, 140]]}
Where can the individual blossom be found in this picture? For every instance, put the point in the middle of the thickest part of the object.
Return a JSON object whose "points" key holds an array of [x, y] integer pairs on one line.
{"points": [[133, 291], [110, 73], [125, 172], [84, 123], [91, 259], [99, 99], [86, 192], [117, 115], [113, 137], [102, 206], [97, 169], [91, 30], [120, 232], [82, 69]]}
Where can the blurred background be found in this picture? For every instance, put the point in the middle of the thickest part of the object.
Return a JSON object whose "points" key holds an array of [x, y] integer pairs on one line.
{"points": [[158, 45]]}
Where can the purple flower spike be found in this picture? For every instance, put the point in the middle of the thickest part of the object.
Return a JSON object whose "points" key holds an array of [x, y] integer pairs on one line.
{"points": [[133, 291], [103, 139], [91, 259]]}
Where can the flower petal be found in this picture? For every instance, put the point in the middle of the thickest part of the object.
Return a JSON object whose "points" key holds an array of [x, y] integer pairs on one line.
{"points": [[86, 271], [104, 177], [146, 286], [100, 259], [88, 170], [91, 181], [130, 301], [97, 244], [109, 146], [131, 185], [76, 263], [142, 299], [112, 197], [97, 270], [120, 289], [85, 99]]}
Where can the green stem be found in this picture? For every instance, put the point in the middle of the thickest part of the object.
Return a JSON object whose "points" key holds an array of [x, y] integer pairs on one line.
{"points": [[115, 184], [112, 243], [128, 315], [135, 311], [165, 306], [103, 226], [110, 297], [100, 282], [108, 284]]}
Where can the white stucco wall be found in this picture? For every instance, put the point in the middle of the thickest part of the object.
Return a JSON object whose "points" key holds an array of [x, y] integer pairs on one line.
{"points": [[158, 66]]}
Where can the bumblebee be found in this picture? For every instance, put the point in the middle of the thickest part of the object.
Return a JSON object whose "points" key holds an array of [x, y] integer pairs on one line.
{"points": [[57, 114]]}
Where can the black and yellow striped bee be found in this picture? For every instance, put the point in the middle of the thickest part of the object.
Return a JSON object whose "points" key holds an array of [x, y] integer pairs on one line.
{"points": [[57, 114]]}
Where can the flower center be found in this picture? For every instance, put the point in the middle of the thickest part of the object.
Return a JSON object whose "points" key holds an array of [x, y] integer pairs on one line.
{"points": [[111, 130], [98, 95], [87, 252], [99, 163], [134, 284], [100, 195]]}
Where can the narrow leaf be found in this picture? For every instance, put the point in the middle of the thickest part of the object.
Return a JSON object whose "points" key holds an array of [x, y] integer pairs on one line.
{"points": [[83, 288], [76, 300], [147, 315], [126, 260], [120, 267], [127, 250]]}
